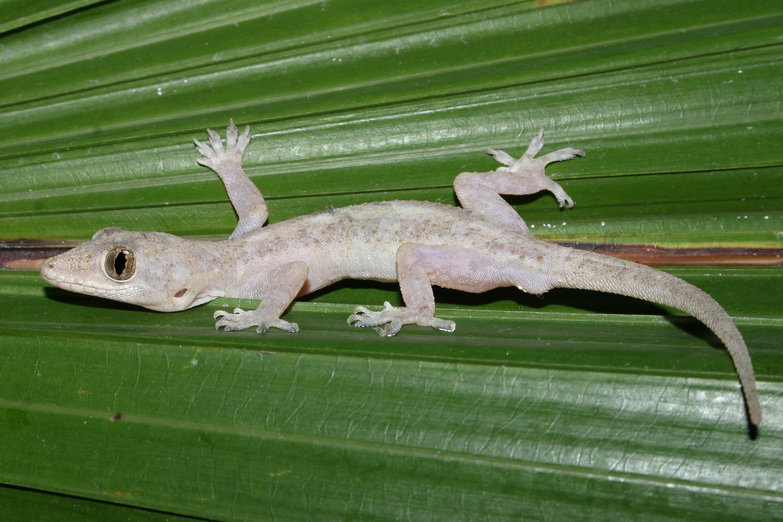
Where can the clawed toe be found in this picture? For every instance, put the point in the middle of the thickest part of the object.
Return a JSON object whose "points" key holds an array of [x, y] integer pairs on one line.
{"points": [[241, 319], [532, 168], [390, 319], [214, 154]]}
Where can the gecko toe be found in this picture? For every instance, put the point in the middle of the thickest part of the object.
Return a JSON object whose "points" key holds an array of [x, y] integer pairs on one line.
{"points": [[390, 319], [243, 140], [231, 135], [214, 140], [241, 319]]}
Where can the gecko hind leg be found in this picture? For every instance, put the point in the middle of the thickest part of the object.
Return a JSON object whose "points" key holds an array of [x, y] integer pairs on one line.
{"points": [[421, 266], [390, 319], [481, 192]]}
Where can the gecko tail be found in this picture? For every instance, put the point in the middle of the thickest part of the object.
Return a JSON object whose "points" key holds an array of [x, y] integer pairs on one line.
{"points": [[590, 271]]}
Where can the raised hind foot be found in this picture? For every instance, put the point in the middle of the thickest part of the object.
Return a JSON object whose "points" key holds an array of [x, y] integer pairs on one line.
{"points": [[531, 167]]}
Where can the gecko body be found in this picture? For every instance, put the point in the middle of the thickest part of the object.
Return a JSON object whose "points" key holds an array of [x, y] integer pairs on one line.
{"points": [[481, 245]]}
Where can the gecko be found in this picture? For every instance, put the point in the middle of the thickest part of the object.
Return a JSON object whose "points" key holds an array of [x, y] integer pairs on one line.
{"points": [[481, 245]]}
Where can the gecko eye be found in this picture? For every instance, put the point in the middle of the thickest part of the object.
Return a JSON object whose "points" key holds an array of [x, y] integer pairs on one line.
{"points": [[120, 263]]}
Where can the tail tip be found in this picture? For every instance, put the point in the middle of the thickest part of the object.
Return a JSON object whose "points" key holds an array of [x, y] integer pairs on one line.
{"points": [[754, 413]]}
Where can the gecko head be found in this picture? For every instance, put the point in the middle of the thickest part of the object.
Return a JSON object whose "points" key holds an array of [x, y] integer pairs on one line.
{"points": [[151, 269]]}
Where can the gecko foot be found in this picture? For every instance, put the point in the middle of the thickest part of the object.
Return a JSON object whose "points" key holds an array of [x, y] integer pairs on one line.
{"points": [[241, 319], [532, 168], [391, 319], [214, 156]]}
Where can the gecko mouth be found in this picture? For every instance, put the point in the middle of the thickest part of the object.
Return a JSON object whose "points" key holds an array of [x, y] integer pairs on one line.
{"points": [[67, 283]]}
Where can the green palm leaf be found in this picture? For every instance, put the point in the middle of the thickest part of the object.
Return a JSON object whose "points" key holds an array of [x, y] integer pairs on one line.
{"points": [[571, 406]]}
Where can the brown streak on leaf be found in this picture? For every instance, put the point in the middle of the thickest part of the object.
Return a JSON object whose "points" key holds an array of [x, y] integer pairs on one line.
{"points": [[660, 256]]}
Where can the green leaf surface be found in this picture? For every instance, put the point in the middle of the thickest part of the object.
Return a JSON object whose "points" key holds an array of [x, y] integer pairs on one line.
{"points": [[375, 105], [521, 411], [571, 406], [16, 14]]}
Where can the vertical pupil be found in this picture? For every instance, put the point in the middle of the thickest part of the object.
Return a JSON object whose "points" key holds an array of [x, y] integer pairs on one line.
{"points": [[120, 262]]}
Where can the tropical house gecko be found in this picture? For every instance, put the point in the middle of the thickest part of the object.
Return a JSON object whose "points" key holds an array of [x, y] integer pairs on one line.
{"points": [[483, 245]]}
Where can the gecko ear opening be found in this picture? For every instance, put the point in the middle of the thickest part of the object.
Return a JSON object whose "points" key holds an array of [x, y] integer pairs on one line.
{"points": [[119, 263]]}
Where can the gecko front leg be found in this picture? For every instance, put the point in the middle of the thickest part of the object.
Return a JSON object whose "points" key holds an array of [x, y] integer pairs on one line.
{"points": [[481, 192], [226, 162], [278, 290]]}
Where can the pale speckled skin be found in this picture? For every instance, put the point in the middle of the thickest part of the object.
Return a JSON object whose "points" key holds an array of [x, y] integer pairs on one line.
{"points": [[481, 246]]}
